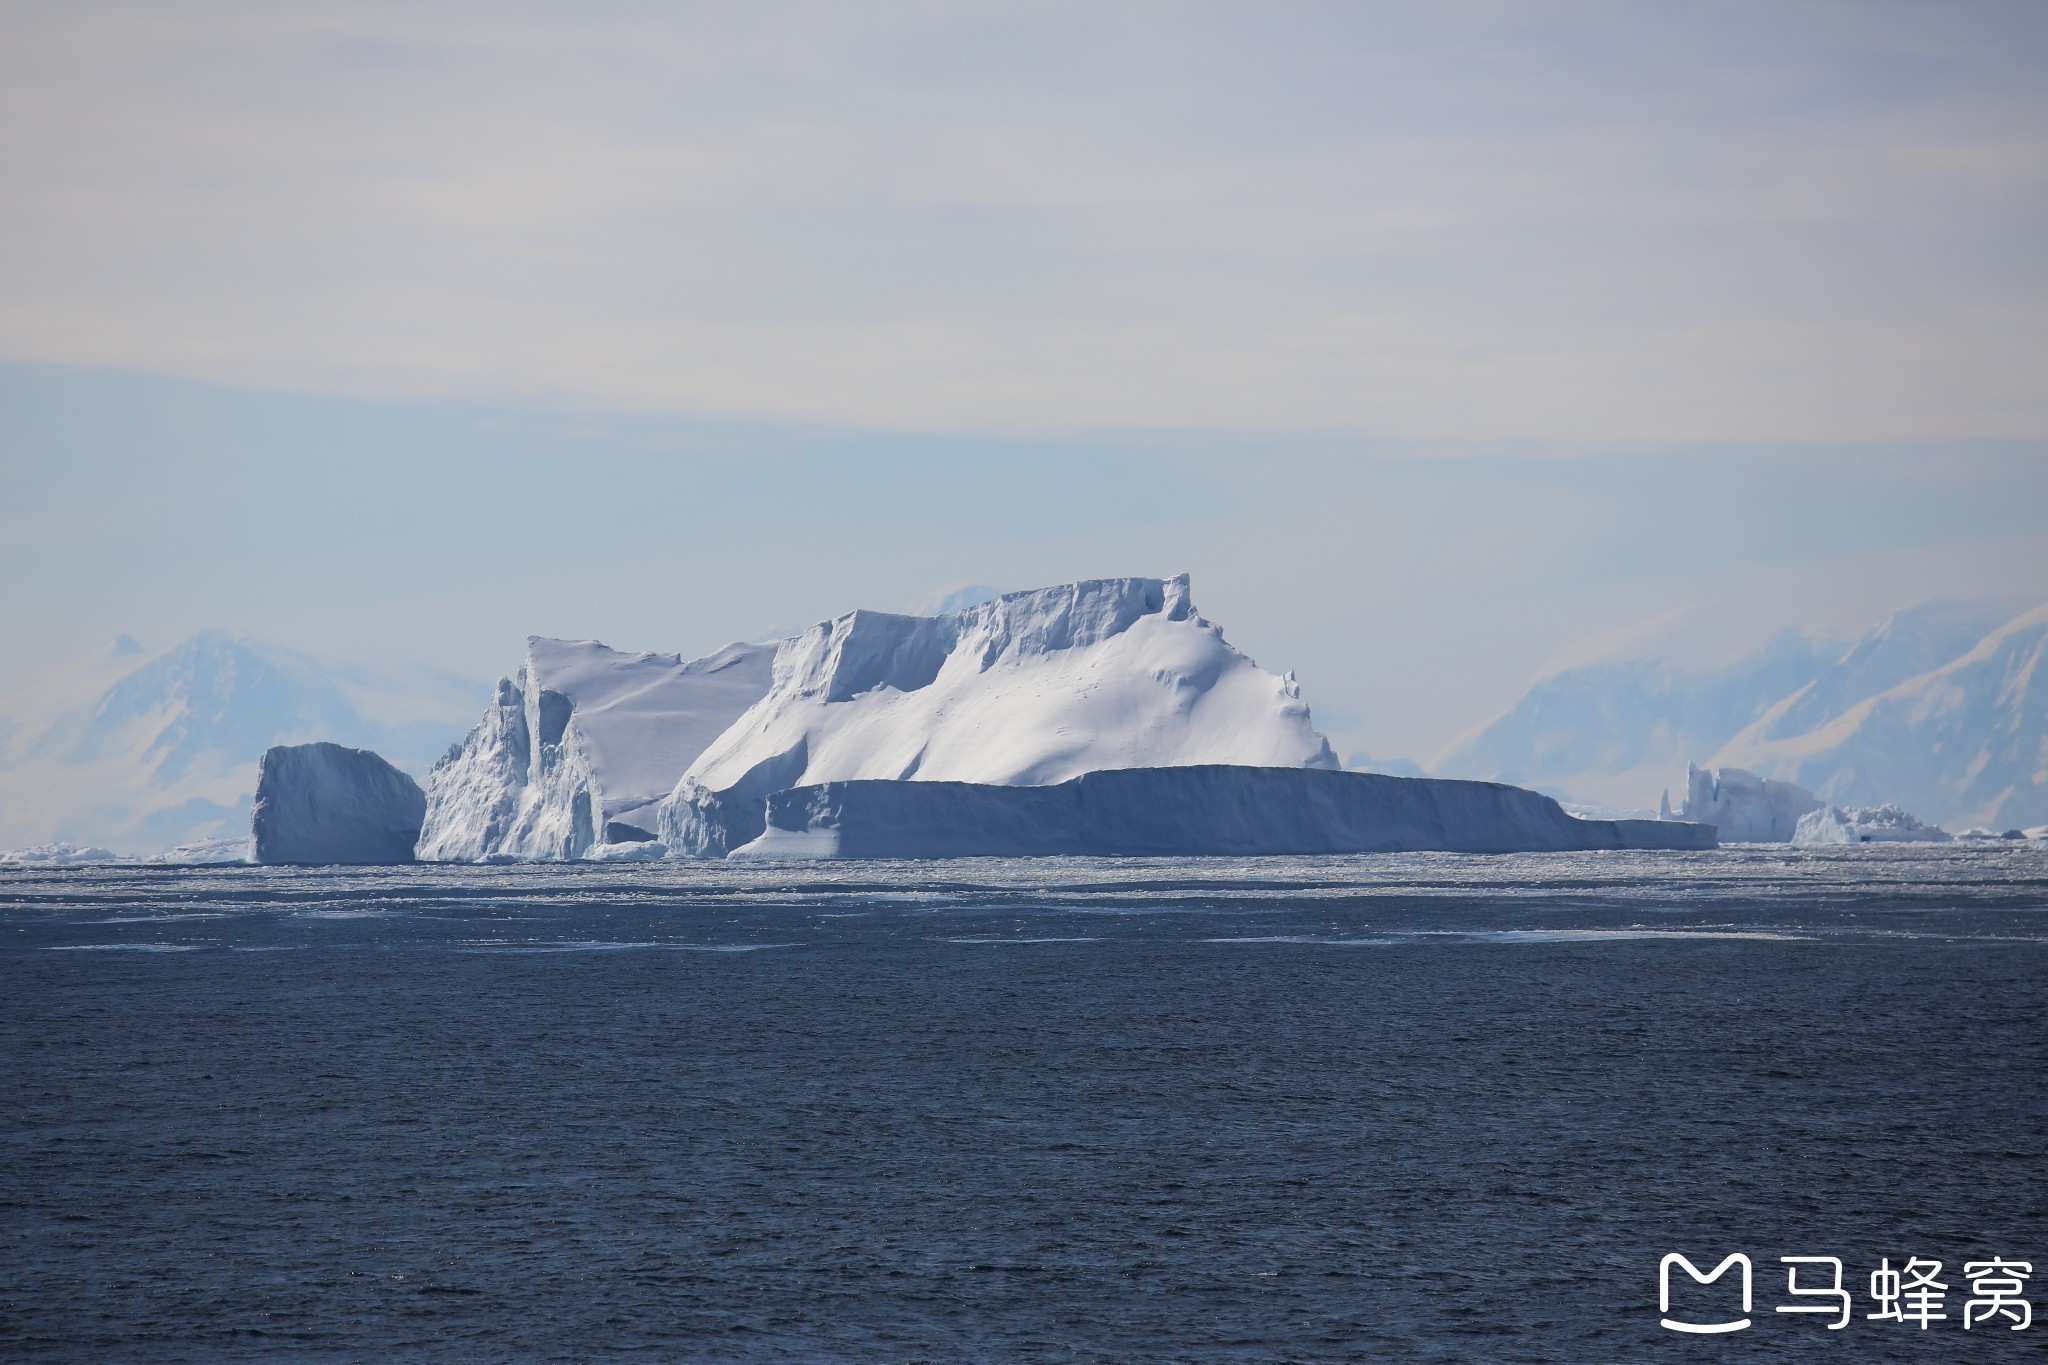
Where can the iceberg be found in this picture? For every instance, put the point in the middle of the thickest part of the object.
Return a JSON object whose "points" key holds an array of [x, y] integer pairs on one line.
{"points": [[1391, 767], [62, 854], [1865, 825], [209, 851], [1745, 808], [322, 803], [1205, 809], [1029, 689], [578, 750]]}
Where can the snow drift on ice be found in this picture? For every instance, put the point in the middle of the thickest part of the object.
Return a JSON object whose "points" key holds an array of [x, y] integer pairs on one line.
{"points": [[1030, 689]]}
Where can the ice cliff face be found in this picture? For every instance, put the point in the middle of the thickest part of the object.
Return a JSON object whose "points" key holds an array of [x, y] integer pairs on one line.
{"points": [[576, 752], [1188, 811], [1745, 808], [322, 803], [1029, 689]]}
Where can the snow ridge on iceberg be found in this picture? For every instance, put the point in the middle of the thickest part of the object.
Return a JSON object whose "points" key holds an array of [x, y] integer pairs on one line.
{"points": [[578, 749], [1030, 689]]}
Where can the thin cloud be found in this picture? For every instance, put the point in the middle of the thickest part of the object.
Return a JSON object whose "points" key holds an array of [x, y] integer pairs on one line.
{"points": [[1596, 223]]}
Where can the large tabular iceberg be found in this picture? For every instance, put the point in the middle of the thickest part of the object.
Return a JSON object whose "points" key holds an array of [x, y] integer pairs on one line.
{"points": [[1030, 689], [578, 750], [322, 803], [1206, 809]]}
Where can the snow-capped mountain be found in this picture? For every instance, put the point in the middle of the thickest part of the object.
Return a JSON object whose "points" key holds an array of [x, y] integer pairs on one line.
{"points": [[1964, 744], [1942, 708], [165, 750], [1029, 689], [579, 747]]}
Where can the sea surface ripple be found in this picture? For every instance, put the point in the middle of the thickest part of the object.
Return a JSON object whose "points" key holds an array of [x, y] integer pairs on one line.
{"points": [[1418, 1107]]}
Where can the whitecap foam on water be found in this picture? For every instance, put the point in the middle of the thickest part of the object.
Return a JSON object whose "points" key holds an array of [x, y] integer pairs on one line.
{"points": [[125, 947], [725, 947], [616, 945], [582, 946], [167, 918], [1602, 935], [1310, 939], [1021, 940]]}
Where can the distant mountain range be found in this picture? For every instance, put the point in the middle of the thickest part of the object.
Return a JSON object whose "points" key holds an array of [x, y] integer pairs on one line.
{"points": [[138, 752], [1941, 708]]}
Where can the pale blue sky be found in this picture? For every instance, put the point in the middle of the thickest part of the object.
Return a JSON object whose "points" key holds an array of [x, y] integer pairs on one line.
{"points": [[1431, 338], [1415, 593]]}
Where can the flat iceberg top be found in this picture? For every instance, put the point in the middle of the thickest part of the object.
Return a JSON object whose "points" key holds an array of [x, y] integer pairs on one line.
{"points": [[1030, 689], [641, 718]]}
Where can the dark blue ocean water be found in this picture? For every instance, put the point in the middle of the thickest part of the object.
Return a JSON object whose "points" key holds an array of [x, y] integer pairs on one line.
{"points": [[1377, 1108]]}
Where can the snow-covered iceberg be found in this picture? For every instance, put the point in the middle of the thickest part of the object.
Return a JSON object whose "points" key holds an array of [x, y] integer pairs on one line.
{"points": [[1208, 809], [1864, 825], [322, 803], [1029, 689], [62, 854], [206, 852], [1745, 808], [576, 752]]}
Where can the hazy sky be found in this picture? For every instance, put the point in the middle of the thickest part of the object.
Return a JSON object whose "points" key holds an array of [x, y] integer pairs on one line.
{"points": [[1432, 338]]}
